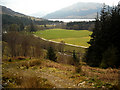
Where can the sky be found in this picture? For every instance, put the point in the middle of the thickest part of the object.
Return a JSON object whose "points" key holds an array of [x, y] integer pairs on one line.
{"points": [[46, 6]]}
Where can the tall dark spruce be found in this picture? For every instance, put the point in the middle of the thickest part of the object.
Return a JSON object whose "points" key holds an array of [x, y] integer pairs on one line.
{"points": [[32, 28], [51, 54], [104, 49]]}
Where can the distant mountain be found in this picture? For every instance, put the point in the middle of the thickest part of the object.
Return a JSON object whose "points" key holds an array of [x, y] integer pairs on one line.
{"points": [[76, 11]]}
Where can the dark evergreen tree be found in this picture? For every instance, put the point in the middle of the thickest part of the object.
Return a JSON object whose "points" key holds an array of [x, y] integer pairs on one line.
{"points": [[105, 39], [22, 27], [51, 54], [74, 55], [110, 57], [32, 28], [75, 58], [93, 53]]}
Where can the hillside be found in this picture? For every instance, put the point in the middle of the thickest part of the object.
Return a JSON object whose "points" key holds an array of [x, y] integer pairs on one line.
{"points": [[8, 11], [78, 10], [49, 74]]}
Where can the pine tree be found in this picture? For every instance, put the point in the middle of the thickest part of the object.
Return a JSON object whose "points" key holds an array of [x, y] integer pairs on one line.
{"points": [[21, 27], [76, 60], [51, 54], [105, 38], [110, 57], [93, 53], [32, 28]]}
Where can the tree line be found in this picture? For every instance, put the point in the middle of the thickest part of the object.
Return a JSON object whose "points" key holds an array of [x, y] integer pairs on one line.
{"points": [[8, 20], [80, 25], [104, 50]]}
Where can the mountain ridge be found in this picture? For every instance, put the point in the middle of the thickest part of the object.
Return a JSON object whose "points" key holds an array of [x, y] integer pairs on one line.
{"points": [[79, 10], [9, 11]]}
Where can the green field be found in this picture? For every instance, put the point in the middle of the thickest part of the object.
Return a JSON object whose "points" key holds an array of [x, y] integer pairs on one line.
{"points": [[75, 37]]}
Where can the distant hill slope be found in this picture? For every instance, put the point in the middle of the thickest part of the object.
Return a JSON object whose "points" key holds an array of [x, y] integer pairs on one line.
{"points": [[9, 11], [78, 10]]}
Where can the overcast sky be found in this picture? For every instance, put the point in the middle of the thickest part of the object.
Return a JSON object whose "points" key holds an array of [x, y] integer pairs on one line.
{"points": [[33, 6]]}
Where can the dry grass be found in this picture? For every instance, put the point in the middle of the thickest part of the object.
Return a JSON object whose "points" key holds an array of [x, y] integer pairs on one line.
{"points": [[22, 75], [32, 81], [24, 79], [18, 75], [64, 58], [107, 75], [29, 63], [63, 67]]}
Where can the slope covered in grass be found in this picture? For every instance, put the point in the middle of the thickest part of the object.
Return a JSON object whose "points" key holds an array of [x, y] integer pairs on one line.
{"points": [[37, 73]]}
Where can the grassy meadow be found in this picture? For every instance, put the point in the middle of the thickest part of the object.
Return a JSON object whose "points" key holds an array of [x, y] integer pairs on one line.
{"points": [[75, 37]]}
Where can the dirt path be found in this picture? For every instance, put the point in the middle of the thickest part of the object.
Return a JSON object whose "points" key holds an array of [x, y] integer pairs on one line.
{"points": [[59, 42]]}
